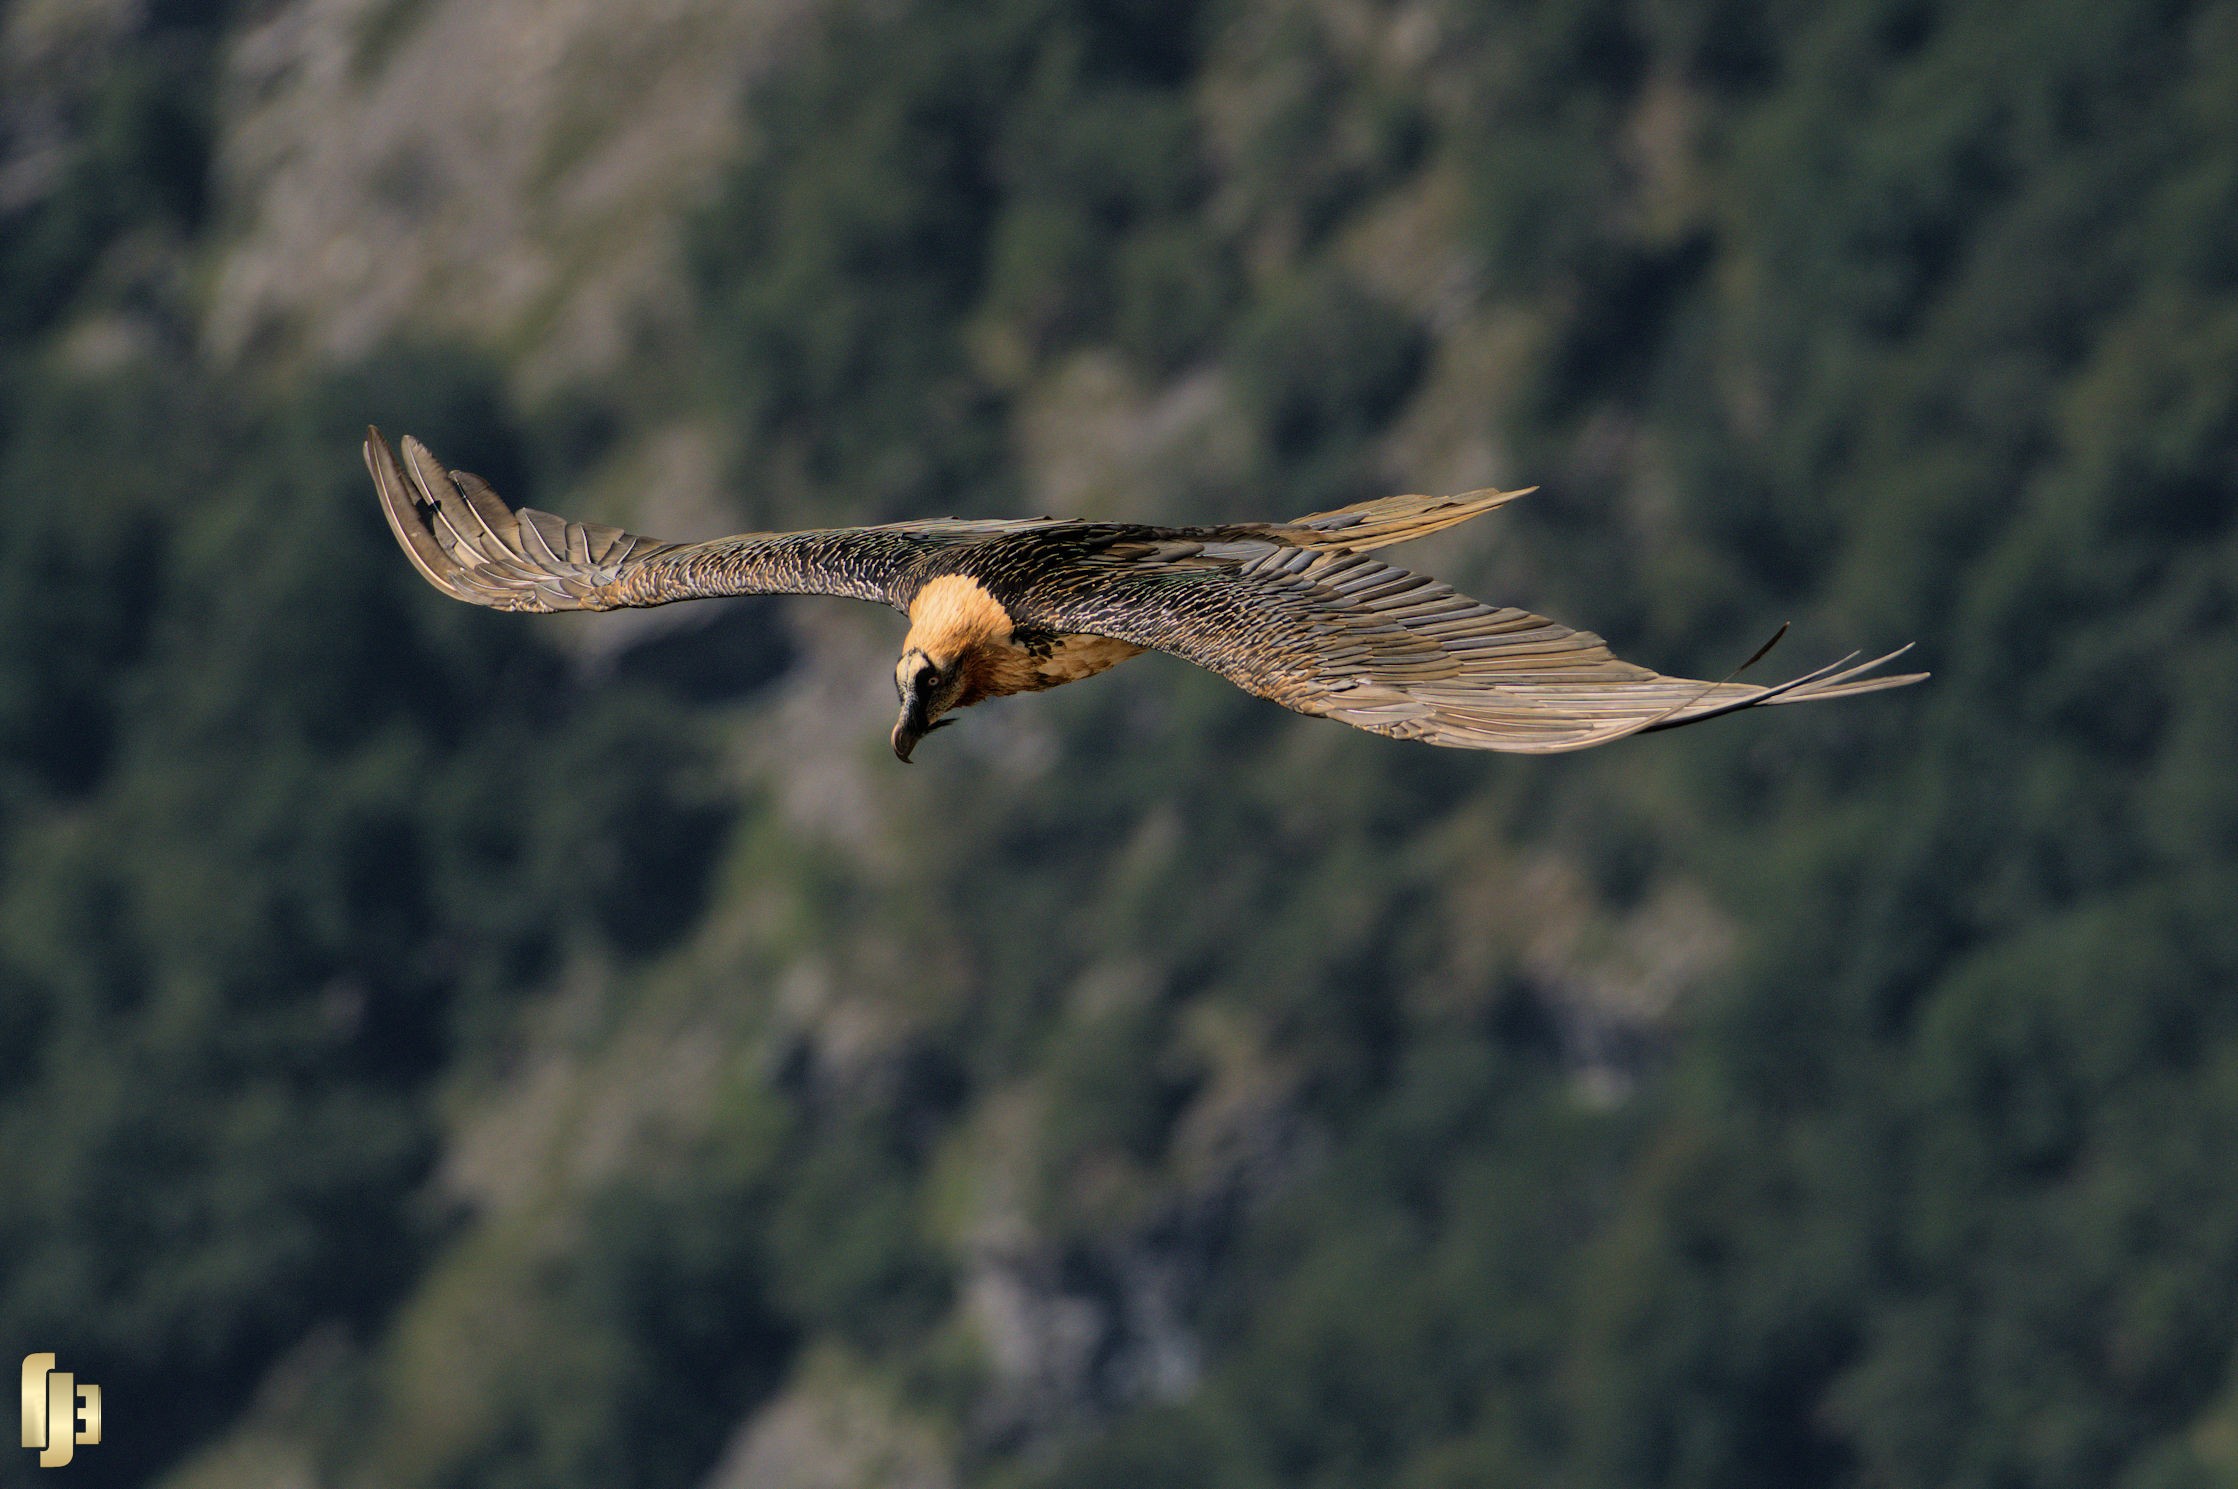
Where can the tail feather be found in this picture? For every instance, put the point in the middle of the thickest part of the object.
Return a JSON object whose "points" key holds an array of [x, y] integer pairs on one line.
{"points": [[1369, 525]]}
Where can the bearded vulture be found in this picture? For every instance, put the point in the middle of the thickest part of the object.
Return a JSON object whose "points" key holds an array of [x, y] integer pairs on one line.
{"points": [[1297, 612]]}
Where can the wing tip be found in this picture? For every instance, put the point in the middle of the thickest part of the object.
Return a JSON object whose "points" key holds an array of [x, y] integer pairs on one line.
{"points": [[470, 543], [408, 520]]}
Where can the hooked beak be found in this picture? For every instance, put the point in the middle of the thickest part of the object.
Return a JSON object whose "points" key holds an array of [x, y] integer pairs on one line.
{"points": [[915, 723], [911, 727]]}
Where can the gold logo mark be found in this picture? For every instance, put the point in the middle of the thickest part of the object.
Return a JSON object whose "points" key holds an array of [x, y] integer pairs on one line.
{"points": [[59, 1415]]}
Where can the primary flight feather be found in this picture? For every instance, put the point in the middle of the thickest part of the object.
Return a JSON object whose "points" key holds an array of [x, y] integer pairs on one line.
{"points": [[1297, 612]]}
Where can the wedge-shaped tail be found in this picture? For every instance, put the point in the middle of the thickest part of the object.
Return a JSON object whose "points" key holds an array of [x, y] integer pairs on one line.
{"points": [[1389, 520]]}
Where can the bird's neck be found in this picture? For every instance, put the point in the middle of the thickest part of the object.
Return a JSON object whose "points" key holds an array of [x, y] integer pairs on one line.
{"points": [[953, 616]]}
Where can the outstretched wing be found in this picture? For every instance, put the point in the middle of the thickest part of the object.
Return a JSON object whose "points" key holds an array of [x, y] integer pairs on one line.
{"points": [[1351, 638], [469, 544]]}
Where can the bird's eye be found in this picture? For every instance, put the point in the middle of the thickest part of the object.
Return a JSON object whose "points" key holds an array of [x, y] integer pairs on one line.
{"points": [[926, 677]]}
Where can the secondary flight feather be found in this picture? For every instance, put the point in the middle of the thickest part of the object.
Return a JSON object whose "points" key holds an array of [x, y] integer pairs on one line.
{"points": [[1299, 612]]}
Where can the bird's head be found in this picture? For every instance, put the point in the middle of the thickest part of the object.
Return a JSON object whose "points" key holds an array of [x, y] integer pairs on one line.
{"points": [[928, 687]]}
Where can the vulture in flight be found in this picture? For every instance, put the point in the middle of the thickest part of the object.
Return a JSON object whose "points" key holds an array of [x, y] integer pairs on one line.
{"points": [[1299, 612]]}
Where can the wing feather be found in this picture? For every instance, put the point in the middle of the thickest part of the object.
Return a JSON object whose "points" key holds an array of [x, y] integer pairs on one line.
{"points": [[468, 543], [1348, 637]]}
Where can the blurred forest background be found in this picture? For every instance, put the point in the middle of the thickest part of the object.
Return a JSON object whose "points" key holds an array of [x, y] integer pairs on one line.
{"points": [[441, 1049]]}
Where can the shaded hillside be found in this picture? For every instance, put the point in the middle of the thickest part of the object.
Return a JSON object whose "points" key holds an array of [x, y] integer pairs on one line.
{"points": [[443, 1049]]}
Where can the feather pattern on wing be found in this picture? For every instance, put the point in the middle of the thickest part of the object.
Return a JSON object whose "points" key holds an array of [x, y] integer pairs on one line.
{"points": [[1352, 638], [465, 541]]}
